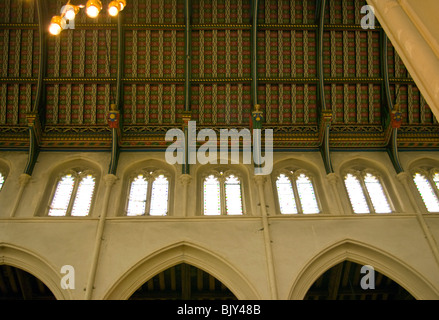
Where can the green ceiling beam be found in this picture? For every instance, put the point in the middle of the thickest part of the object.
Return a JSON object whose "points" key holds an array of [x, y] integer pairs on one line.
{"points": [[37, 115], [39, 105], [254, 53], [185, 169], [388, 107], [116, 108], [325, 114], [187, 54]]}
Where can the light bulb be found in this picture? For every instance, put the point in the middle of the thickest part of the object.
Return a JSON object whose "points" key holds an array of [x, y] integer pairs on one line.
{"points": [[113, 8], [93, 7], [55, 25], [70, 12], [92, 12], [55, 29]]}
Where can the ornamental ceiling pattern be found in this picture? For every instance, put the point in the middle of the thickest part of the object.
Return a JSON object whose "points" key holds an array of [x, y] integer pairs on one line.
{"points": [[138, 59]]}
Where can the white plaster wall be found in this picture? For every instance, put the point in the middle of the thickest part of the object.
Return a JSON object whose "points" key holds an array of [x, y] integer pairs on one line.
{"points": [[238, 241]]}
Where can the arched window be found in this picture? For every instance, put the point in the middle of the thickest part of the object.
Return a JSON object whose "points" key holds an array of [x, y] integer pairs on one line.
{"points": [[73, 195], [296, 193], [366, 192], [2, 181], [427, 184], [222, 194], [149, 194]]}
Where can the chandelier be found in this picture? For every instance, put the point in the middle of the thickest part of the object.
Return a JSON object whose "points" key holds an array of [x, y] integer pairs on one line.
{"points": [[92, 9]]}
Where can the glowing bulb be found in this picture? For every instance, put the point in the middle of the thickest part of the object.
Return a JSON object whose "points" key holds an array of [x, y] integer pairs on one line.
{"points": [[113, 8], [92, 12], [70, 12], [55, 25], [55, 29], [113, 11], [93, 7]]}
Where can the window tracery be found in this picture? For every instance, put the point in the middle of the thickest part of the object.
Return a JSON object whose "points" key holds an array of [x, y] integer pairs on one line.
{"points": [[296, 192], [73, 194], [148, 193], [366, 192], [427, 183], [222, 193]]}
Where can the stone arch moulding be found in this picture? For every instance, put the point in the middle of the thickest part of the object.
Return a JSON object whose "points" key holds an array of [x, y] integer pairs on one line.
{"points": [[362, 253], [182, 252], [28, 261]]}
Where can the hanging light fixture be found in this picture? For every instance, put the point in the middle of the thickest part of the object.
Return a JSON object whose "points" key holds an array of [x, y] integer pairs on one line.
{"points": [[93, 7], [116, 6], [55, 25]]}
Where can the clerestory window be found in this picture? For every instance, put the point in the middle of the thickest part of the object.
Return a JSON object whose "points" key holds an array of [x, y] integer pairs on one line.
{"points": [[366, 192], [74, 193], [296, 193], [148, 194], [222, 194], [427, 184], [2, 181]]}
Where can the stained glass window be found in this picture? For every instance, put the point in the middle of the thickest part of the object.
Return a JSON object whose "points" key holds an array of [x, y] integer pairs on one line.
{"points": [[427, 193], [137, 197], [306, 193], [233, 195], [63, 194], [212, 196], [376, 194], [84, 196], [159, 196], [356, 194], [285, 193], [2, 181]]}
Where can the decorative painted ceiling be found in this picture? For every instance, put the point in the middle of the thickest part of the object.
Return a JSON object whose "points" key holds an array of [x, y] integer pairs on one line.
{"points": [[62, 86]]}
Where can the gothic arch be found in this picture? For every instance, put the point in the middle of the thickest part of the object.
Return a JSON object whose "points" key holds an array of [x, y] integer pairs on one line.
{"points": [[361, 253], [5, 167], [378, 169], [240, 170], [30, 262], [52, 175], [126, 176], [422, 162], [312, 171], [182, 252]]}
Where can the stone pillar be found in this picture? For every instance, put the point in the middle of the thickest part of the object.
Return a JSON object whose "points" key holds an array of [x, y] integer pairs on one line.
{"points": [[185, 179], [405, 178], [110, 180], [260, 182], [333, 180], [23, 181]]}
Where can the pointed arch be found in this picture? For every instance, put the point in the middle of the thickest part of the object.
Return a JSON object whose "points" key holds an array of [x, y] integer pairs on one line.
{"points": [[182, 252], [149, 169], [30, 262], [362, 253]]}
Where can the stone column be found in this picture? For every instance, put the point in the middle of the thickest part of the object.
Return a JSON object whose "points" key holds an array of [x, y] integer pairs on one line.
{"points": [[23, 181], [405, 178], [185, 179], [110, 180], [260, 182], [333, 180]]}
